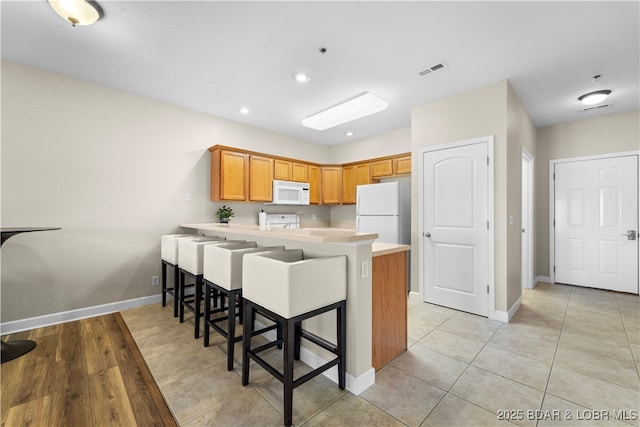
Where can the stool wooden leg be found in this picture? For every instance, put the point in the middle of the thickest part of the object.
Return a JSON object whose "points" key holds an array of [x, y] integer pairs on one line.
{"points": [[342, 340], [231, 329], [176, 290], [298, 333], [182, 286], [246, 341], [207, 313], [197, 306], [289, 350], [163, 273]]}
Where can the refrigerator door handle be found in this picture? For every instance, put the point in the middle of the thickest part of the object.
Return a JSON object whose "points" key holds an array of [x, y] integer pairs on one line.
{"points": [[358, 204]]}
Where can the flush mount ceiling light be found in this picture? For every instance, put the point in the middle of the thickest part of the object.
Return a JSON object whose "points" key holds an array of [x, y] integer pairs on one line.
{"points": [[593, 98], [353, 109], [78, 12], [244, 110]]}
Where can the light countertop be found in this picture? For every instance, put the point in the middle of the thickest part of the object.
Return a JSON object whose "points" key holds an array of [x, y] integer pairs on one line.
{"points": [[316, 235], [379, 249]]}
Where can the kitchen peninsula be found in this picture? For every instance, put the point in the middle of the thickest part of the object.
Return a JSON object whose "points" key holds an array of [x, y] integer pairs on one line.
{"points": [[318, 242]]}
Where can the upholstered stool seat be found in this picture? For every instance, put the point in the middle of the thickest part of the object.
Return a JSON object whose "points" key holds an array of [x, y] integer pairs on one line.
{"points": [[190, 263], [288, 287], [222, 273], [169, 257]]}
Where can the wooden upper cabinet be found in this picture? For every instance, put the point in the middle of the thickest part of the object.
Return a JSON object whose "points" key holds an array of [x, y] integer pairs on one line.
{"points": [[381, 168], [352, 176], [314, 184], [282, 170], [260, 178], [299, 172], [331, 181], [228, 175], [402, 165], [349, 184]]}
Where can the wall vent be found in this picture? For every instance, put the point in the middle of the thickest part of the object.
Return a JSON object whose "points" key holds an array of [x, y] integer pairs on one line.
{"points": [[595, 107], [435, 67]]}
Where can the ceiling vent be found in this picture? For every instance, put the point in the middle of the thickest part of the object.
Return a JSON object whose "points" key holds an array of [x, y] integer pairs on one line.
{"points": [[432, 69], [595, 107]]}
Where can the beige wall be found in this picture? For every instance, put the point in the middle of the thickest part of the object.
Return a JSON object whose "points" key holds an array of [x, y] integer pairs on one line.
{"points": [[386, 144], [473, 114], [112, 169], [521, 133], [591, 136]]}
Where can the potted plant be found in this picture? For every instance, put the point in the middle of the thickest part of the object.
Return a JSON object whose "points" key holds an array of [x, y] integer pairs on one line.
{"points": [[224, 214]]}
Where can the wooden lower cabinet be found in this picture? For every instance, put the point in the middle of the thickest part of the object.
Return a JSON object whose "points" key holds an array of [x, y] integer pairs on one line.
{"points": [[389, 307]]}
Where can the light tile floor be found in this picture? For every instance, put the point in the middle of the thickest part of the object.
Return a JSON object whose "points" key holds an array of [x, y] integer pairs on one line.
{"points": [[570, 356]]}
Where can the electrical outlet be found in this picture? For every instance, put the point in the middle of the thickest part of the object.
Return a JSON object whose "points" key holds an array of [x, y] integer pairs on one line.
{"points": [[155, 280], [365, 269]]}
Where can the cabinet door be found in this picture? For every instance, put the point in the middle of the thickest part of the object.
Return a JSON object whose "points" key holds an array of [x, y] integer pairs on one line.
{"points": [[402, 165], [331, 185], [228, 175], [363, 174], [260, 178], [381, 168], [282, 170], [299, 172], [349, 184], [314, 184]]}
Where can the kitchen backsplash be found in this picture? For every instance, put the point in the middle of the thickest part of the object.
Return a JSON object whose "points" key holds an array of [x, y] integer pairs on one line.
{"points": [[247, 213]]}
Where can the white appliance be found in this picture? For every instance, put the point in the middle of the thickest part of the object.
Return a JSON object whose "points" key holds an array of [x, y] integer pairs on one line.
{"points": [[283, 221], [385, 209], [290, 193]]}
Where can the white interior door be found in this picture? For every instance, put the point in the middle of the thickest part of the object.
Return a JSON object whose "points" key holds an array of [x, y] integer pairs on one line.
{"points": [[527, 220], [455, 227], [596, 221]]}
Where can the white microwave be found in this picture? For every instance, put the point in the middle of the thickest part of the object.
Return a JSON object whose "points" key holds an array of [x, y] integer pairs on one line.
{"points": [[290, 193]]}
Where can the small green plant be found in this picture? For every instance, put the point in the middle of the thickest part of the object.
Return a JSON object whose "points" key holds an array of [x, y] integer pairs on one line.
{"points": [[224, 214]]}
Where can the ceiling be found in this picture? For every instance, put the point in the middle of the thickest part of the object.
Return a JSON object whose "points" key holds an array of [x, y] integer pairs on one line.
{"points": [[216, 57]]}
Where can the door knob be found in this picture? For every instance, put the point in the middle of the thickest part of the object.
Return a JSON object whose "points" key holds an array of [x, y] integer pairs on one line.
{"points": [[427, 234], [631, 235]]}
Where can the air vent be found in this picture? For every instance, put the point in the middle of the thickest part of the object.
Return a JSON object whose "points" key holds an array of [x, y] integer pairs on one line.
{"points": [[435, 67], [595, 107]]}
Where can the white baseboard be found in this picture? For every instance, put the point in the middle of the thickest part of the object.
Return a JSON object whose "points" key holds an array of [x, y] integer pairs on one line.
{"points": [[413, 295], [71, 315], [355, 385], [506, 317], [541, 279]]}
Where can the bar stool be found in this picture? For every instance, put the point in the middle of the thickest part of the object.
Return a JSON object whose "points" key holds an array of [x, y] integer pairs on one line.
{"points": [[169, 257], [190, 260], [222, 273], [289, 288]]}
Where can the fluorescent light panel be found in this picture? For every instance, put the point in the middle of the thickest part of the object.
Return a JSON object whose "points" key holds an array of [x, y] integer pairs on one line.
{"points": [[360, 106]]}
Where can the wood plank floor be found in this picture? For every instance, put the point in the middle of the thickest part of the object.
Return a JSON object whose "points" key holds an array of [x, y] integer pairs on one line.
{"points": [[87, 372]]}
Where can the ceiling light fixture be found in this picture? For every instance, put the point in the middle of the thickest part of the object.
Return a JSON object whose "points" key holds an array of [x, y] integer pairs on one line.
{"points": [[301, 77], [349, 133], [360, 106], [593, 98], [244, 110], [78, 12]]}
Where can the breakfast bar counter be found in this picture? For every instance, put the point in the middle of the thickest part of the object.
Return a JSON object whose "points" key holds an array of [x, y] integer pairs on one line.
{"points": [[322, 242]]}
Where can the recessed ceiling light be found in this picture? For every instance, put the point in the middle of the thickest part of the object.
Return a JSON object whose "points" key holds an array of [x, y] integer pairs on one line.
{"points": [[593, 98], [244, 110], [352, 109], [301, 77], [349, 133]]}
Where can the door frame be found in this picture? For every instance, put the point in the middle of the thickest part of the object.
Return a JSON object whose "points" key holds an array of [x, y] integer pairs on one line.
{"points": [[488, 140], [528, 275], [552, 198]]}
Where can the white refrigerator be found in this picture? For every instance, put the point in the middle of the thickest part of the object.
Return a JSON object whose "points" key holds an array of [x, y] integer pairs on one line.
{"points": [[385, 209]]}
